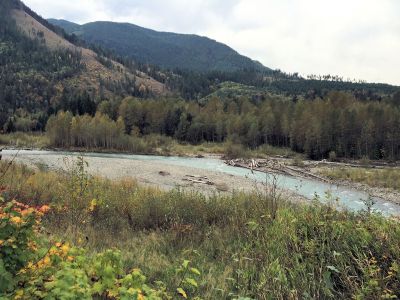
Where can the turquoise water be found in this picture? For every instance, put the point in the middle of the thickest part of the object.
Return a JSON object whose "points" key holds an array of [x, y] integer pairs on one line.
{"points": [[348, 197]]}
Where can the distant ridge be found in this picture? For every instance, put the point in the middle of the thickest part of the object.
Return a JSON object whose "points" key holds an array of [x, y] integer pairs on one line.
{"points": [[165, 49]]}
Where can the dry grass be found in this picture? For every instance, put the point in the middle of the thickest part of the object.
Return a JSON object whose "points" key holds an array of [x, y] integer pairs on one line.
{"points": [[240, 249], [24, 140], [383, 178]]}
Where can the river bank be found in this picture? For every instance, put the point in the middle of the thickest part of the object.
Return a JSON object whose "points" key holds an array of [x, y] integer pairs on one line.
{"points": [[317, 170], [163, 175], [294, 181]]}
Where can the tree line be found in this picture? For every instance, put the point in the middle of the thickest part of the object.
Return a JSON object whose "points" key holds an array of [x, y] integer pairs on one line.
{"points": [[335, 126]]}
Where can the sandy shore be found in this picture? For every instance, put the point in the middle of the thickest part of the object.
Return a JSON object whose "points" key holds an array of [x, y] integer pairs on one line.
{"points": [[159, 174]]}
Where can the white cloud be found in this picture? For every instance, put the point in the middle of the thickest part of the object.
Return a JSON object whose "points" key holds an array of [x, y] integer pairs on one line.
{"points": [[352, 38]]}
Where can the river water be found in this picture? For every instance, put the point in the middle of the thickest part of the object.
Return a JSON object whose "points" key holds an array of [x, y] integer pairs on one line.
{"points": [[309, 188]]}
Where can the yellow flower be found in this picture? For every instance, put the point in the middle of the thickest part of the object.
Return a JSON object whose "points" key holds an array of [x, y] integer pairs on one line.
{"points": [[70, 258], [1, 242], [65, 249], [58, 244], [16, 220], [93, 205], [46, 261]]}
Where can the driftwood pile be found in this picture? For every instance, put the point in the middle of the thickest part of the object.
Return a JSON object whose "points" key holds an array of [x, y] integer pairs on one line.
{"points": [[273, 166], [198, 179]]}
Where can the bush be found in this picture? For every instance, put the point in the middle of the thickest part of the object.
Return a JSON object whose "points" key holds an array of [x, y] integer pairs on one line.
{"points": [[332, 156], [31, 267], [233, 151]]}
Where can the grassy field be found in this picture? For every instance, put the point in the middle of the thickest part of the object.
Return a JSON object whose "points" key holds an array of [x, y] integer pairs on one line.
{"points": [[245, 245], [386, 178], [24, 140]]}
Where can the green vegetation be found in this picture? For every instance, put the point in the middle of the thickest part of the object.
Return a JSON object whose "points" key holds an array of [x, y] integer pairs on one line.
{"points": [[36, 81], [334, 127], [199, 63], [24, 140], [29, 73], [168, 50], [386, 178], [32, 267], [252, 246]]}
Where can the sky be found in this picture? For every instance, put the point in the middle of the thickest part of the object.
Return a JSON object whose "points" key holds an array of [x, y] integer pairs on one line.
{"points": [[357, 39]]}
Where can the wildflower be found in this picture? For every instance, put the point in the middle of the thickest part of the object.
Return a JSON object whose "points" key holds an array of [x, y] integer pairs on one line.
{"points": [[58, 244], [93, 205], [65, 249], [44, 209], [1, 242], [70, 258], [53, 251], [46, 260], [16, 220], [26, 212]]}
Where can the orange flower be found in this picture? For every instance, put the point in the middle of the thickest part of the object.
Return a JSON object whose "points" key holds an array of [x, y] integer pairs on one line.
{"points": [[44, 209], [58, 244], [26, 212]]}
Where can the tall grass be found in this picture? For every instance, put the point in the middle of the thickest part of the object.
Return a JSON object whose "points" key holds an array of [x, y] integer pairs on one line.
{"points": [[24, 140], [386, 178], [305, 252]]}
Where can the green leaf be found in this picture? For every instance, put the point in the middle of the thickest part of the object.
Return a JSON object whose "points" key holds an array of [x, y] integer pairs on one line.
{"points": [[252, 225], [185, 263], [195, 271], [332, 268], [191, 281], [181, 292], [6, 279]]}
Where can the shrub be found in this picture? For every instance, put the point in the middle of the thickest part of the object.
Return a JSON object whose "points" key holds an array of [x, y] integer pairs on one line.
{"points": [[332, 156], [31, 267], [235, 151]]}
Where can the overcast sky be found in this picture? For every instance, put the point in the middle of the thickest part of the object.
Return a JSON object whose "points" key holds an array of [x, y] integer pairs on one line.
{"points": [[352, 38]]}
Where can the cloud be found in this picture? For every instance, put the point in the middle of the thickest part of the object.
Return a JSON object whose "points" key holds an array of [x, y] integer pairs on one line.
{"points": [[356, 39]]}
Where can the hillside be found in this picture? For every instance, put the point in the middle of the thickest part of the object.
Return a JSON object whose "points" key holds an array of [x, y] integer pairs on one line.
{"points": [[165, 49], [94, 68], [43, 71]]}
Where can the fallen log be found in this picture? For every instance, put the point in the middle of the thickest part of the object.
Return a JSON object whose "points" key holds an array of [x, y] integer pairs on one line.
{"points": [[198, 181]]}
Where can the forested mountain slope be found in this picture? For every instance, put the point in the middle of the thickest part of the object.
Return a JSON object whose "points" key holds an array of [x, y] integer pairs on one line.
{"points": [[165, 49], [42, 71]]}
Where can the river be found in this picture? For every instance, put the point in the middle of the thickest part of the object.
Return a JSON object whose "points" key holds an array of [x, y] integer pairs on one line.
{"points": [[347, 197]]}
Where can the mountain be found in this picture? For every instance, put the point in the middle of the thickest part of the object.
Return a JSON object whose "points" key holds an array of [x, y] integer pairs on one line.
{"points": [[165, 49], [43, 69]]}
